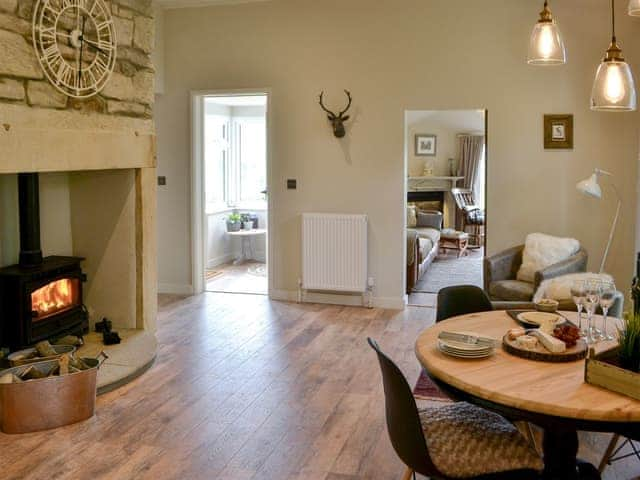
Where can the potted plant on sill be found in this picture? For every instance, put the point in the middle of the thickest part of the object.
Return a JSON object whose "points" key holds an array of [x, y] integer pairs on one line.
{"points": [[234, 222], [247, 223]]}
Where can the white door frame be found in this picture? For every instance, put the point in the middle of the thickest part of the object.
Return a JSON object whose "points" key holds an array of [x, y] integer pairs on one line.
{"points": [[198, 211]]}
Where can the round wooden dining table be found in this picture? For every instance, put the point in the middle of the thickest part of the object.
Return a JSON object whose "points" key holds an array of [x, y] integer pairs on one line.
{"points": [[553, 396]]}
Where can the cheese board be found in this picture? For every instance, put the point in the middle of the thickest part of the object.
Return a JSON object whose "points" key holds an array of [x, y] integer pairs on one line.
{"points": [[541, 354]]}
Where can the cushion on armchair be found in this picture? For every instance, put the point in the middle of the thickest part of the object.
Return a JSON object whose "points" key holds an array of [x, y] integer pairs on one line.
{"points": [[430, 219], [541, 251]]}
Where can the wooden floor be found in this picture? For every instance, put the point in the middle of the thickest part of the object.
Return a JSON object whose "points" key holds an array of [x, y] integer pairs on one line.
{"points": [[243, 388], [248, 277]]}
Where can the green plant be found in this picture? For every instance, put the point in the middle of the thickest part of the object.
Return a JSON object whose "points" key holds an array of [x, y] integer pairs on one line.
{"points": [[630, 343], [245, 217], [234, 218]]}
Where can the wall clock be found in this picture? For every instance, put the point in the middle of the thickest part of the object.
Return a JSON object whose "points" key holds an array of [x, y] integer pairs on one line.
{"points": [[75, 42]]}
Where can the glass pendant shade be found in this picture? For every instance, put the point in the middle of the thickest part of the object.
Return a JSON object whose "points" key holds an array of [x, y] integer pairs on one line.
{"points": [[634, 8], [546, 46], [613, 88]]}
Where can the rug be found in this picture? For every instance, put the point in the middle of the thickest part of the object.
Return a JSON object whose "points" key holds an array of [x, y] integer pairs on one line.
{"points": [[448, 270], [211, 274], [426, 389]]}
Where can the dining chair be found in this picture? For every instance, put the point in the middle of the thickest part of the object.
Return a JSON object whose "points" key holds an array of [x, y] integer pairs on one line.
{"points": [[461, 300], [612, 454], [488, 446]]}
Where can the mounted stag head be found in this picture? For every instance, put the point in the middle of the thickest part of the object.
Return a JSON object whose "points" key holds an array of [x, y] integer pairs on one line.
{"points": [[337, 121]]}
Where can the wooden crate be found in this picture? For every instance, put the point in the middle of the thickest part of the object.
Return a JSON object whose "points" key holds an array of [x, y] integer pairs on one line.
{"points": [[599, 370]]}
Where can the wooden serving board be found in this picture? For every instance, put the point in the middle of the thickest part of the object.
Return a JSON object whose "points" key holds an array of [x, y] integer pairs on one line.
{"points": [[541, 354]]}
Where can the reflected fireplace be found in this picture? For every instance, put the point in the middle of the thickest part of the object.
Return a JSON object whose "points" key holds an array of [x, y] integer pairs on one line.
{"points": [[40, 297]]}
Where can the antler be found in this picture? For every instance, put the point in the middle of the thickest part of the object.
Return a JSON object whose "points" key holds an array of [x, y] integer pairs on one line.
{"points": [[325, 108], [348, 105]]}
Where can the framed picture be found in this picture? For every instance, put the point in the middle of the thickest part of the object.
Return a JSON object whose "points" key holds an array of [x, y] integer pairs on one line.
{"points": [[558, 132], [426, 145]]}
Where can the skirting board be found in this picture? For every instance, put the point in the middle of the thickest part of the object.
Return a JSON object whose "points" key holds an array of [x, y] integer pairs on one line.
{"points": [[221, 260], [175, 289], [391, 303]]}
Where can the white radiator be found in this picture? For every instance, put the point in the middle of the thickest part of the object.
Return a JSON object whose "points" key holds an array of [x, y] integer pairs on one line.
{"points": [[334, 252]]}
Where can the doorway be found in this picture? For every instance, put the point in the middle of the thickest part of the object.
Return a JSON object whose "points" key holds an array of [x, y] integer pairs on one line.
{"points": [[230, 184], [446, 171]]}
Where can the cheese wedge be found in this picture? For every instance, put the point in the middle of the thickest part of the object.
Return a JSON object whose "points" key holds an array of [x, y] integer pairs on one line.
{"points": [[551, 343]]}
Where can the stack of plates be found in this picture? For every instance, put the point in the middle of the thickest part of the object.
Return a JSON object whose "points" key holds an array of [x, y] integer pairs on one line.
{"points": [[467, 345]]}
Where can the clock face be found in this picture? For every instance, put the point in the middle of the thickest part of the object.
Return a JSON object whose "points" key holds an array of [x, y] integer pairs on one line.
{"points": [[75, 42]]}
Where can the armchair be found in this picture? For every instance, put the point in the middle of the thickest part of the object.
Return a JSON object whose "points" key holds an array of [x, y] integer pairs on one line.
{"points": [[500, 272]]}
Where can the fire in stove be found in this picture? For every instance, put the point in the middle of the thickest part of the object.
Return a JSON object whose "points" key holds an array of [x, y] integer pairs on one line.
{"points": [[54, 298]]}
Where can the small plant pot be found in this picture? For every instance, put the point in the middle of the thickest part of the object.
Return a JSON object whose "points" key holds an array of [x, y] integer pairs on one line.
{"points": [[233, 226], [247, 225]]}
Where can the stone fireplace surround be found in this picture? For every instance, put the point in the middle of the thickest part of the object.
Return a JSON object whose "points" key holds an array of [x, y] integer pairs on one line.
{"points": [[97, 165]]}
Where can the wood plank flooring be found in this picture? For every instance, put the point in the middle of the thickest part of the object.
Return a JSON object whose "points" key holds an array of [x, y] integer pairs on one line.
{"points": [[243, 388]]}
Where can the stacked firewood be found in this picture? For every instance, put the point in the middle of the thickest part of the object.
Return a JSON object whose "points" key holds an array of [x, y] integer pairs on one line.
{"points": [[66, 363]]}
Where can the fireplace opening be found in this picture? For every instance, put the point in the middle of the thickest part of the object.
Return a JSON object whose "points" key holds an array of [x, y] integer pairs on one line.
{"points": [[55, 297], [40, 298]]}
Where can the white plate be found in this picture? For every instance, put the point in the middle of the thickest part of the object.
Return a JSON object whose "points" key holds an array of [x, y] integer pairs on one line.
{"points": [[464, 354], [538, 318], [464, 347]]}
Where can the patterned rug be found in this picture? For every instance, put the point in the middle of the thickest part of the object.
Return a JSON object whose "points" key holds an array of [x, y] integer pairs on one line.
{"points": [[426, 389], [447, 270], [211, 274]]}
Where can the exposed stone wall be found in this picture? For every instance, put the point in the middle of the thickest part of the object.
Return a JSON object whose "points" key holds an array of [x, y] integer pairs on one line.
{"points": [[130, 90]]}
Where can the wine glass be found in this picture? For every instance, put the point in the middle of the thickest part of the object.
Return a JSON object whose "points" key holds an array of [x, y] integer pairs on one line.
{"points": [[591, 301], [607, 297], [578, 294]]}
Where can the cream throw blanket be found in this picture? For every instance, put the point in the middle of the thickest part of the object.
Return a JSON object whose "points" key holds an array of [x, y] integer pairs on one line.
{"points": [[559, 288]]}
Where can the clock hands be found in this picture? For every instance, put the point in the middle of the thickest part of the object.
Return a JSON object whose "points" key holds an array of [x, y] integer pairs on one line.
{"points": [[81, 45]]}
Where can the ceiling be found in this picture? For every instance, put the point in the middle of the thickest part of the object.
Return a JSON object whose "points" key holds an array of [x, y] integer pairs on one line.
{"points": [[171, 4]]}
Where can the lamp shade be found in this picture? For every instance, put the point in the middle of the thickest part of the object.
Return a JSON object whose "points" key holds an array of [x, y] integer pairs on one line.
{"points": [[634, 8], [614, 88], [546, 46], [590, 187]]}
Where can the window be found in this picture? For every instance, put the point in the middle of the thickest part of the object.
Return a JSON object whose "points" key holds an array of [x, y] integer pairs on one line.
{"points": [[235, 152], [216, 152], [253, 159]]}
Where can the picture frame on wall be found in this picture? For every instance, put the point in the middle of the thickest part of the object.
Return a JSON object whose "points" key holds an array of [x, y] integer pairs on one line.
{"points": [[558, 132], [426, 145]]}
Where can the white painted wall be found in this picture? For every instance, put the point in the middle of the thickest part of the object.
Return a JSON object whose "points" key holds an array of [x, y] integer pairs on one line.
{"points": [[398, 55]]}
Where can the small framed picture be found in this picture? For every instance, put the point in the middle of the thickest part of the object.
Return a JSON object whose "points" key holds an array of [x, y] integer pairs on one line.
{"points": [[558, 132], [426, 145]]}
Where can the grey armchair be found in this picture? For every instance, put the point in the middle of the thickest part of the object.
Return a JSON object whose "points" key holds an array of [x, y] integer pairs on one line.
{"points": [[500, 271]]}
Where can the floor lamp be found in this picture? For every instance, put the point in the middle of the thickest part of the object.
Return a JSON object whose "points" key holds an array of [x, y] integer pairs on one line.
{"points": [[591, 188]]}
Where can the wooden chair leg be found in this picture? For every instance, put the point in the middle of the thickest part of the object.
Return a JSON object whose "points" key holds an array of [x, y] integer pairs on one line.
{"points": [[607, 454], [531, 436], [407, 474]]}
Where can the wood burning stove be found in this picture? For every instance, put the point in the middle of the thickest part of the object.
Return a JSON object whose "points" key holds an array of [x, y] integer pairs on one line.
{"points": [[39, 297]]}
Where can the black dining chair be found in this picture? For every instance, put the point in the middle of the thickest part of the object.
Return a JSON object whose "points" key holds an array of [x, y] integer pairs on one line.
{"points": [[406, 428], [614, 451], [461, 300]]}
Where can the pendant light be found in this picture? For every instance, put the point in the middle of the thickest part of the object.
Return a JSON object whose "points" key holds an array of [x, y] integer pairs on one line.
{"points": [[613, 89], [546, 46], [634, 8]]}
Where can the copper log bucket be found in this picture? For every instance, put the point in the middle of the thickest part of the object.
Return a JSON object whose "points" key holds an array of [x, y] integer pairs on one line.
{"points": [[51, 402]]}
